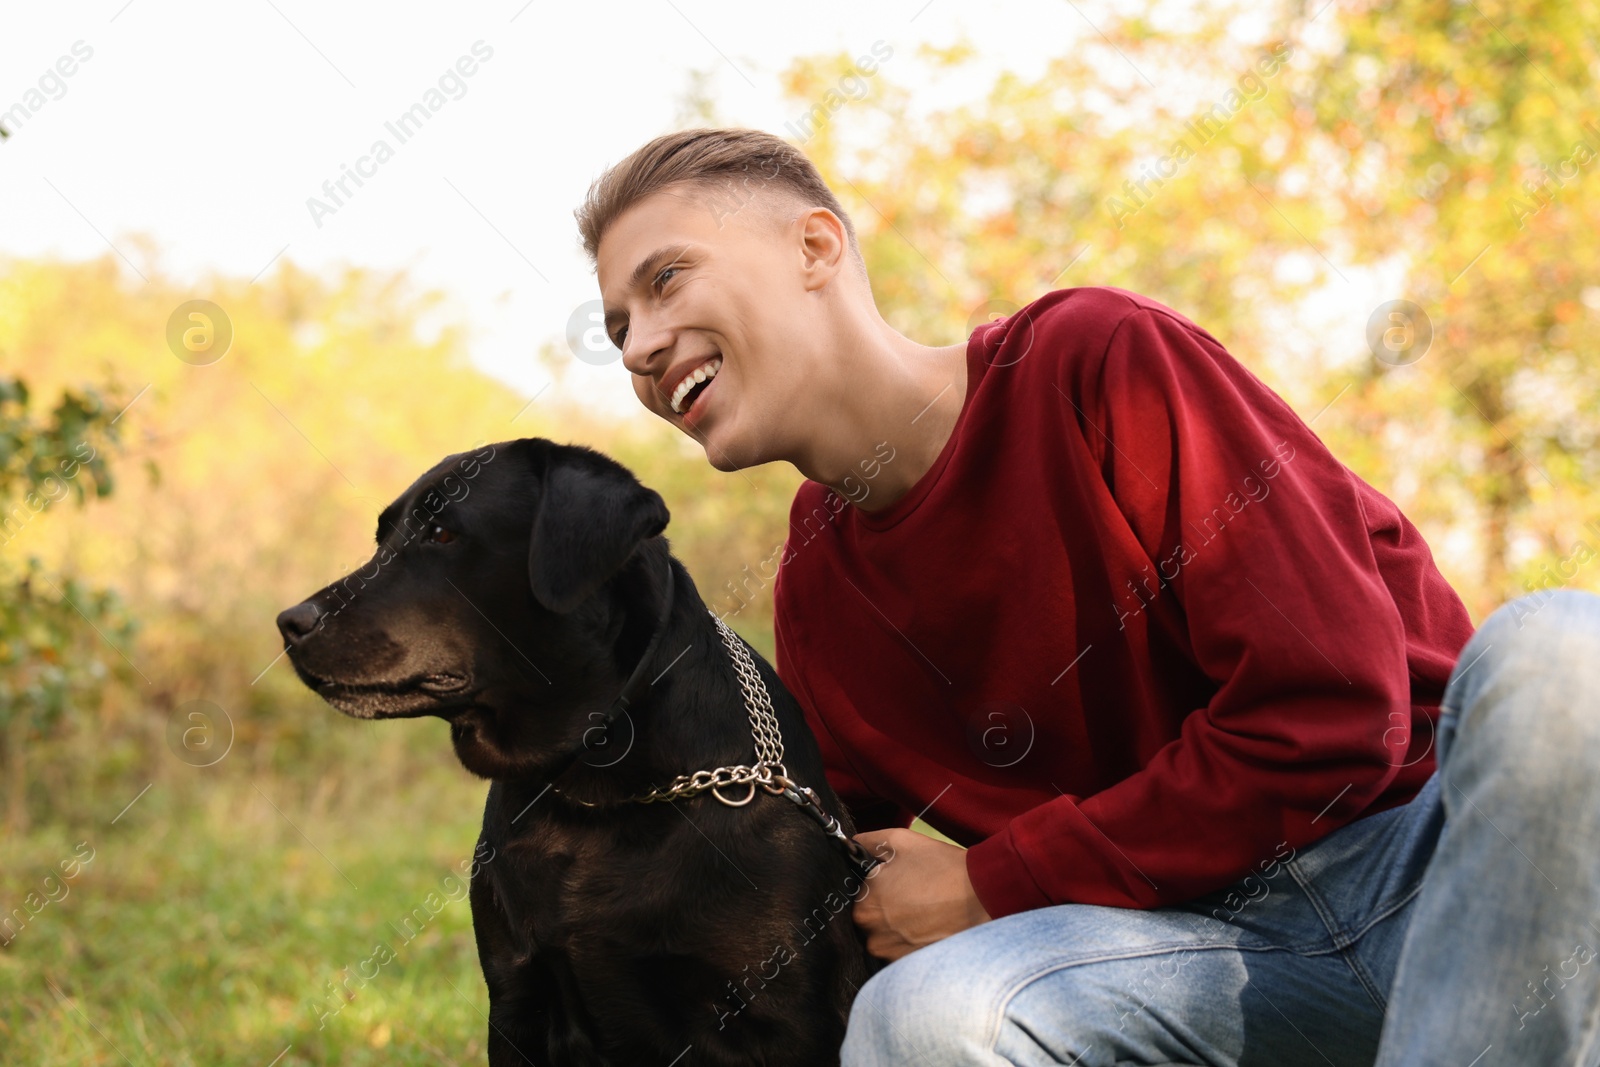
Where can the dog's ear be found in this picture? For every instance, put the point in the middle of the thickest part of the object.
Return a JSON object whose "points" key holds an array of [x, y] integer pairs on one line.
{"points": [[590, 520]]}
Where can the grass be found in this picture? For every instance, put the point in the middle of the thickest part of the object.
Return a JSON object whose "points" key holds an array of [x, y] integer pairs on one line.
{"points": [[220, 910], [224, 907]]}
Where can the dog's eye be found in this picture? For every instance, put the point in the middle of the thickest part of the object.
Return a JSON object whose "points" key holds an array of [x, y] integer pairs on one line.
{"points": [[439, 535]]}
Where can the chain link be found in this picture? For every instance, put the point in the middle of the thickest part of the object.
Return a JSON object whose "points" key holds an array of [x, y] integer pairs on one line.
{"points": [[757, 701], [768, 771]]}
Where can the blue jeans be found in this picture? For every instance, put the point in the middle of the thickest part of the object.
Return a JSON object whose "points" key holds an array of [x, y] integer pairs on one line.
{"points": [[1461, 929]]}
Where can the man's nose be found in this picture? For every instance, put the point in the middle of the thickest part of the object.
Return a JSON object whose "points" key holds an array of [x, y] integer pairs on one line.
{"points": [[645, 349], [639, 359]]}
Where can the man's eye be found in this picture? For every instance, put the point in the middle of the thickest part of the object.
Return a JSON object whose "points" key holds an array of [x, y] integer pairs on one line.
{"points": [[622, 335], [439, 535], [661, 279]]}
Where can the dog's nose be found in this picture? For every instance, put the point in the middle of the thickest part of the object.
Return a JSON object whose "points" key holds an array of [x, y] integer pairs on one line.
{"points": [[299, 622]]}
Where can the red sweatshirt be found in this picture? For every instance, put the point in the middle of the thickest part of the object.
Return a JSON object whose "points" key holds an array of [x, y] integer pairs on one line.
{"points": [[1134, 634]]}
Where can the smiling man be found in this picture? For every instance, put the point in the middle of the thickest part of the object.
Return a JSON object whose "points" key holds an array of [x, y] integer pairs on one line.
{"points": [[1194, 696]]}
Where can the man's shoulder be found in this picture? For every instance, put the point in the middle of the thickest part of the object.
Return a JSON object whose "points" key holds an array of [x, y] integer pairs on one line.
{"points": [[1071, 331], [814, 504], [1089, 303], [815, 507], [1070, 327]]}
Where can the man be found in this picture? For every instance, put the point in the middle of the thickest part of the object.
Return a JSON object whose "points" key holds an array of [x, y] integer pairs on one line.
{"points": [[1093, 601]]}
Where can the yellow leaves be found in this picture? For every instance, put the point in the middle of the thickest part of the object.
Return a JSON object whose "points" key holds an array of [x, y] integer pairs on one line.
{"points": [[1403, 141], [951, 56], [969, 146]]}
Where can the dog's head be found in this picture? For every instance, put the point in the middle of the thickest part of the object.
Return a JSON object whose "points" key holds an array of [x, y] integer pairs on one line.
{"points": [[508, 588]]}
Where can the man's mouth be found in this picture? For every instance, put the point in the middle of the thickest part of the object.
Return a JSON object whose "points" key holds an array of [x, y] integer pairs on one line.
{"points": [[694, 384]]}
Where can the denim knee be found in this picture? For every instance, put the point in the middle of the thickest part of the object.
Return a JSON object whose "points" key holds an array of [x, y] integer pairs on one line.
{"points": [[1524, 690], [920, 1009]]}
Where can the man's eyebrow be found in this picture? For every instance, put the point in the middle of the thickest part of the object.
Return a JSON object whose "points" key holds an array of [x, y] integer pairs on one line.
{"points": [[645, 267]]}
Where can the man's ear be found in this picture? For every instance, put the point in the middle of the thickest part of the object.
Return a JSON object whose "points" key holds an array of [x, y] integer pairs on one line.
{"points": [[590, 520]]}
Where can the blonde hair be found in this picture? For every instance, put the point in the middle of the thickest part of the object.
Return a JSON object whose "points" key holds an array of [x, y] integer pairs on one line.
{"points": [[734, 166]]}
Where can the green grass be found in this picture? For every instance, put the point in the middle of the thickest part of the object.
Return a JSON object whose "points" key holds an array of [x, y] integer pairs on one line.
{"points": [[209, 924], [219, 906]]}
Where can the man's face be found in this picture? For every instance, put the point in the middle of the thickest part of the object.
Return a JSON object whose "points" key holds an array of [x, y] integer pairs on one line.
{"points": [[692, 287]]}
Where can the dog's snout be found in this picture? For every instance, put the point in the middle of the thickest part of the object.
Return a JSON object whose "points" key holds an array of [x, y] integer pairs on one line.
{"points": [[299, 622]]}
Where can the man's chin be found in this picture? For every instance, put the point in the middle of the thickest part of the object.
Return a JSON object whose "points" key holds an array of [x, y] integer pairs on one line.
{"points": [[725, 458], [722, 461]]}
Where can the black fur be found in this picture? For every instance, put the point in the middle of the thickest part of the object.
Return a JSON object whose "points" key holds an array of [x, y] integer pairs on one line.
{"points": [[628, 934]]}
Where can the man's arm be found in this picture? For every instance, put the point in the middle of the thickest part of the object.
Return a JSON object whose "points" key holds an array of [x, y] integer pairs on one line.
{"points": [[1262, 571]]}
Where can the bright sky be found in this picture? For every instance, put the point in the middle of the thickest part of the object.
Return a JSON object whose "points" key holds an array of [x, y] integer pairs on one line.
{"points": [[208, 126]]}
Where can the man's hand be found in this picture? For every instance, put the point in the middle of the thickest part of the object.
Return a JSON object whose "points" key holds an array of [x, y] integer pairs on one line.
{"points": [[919, 896]]}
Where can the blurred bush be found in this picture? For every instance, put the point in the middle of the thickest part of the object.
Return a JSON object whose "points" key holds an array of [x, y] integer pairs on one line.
{"points": [[54, 630], [247, 484]]}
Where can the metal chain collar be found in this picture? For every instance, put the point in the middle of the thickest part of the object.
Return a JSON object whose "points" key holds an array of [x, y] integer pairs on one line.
{"points": [[768, 771]]}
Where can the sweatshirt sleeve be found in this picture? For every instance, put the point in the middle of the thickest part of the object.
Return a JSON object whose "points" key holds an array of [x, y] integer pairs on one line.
{"points": [[1267, 579], [867, 810]]}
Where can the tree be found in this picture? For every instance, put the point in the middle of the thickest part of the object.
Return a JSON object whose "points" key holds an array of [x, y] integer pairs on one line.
{"points": [[1463, 136], [1414, 141]]}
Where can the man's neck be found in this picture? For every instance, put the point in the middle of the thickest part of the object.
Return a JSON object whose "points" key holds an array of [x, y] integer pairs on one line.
{"points": [[897, 399]]}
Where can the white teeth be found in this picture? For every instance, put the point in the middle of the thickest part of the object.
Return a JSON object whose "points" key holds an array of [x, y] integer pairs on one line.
{"points": [[705, 372]]}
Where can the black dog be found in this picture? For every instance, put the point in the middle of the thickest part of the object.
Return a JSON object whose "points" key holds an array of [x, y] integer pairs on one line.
{"points": [[516, 591]]}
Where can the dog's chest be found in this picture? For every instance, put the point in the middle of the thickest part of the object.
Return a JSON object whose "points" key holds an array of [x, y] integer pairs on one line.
{"points": [[566, 892]]}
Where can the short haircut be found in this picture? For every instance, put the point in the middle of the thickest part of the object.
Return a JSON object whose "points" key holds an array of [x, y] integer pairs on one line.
{"points": [[733, 165]]}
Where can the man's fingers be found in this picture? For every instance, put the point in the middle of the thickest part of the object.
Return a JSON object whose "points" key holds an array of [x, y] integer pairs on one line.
{"points": [[870, 838]]}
